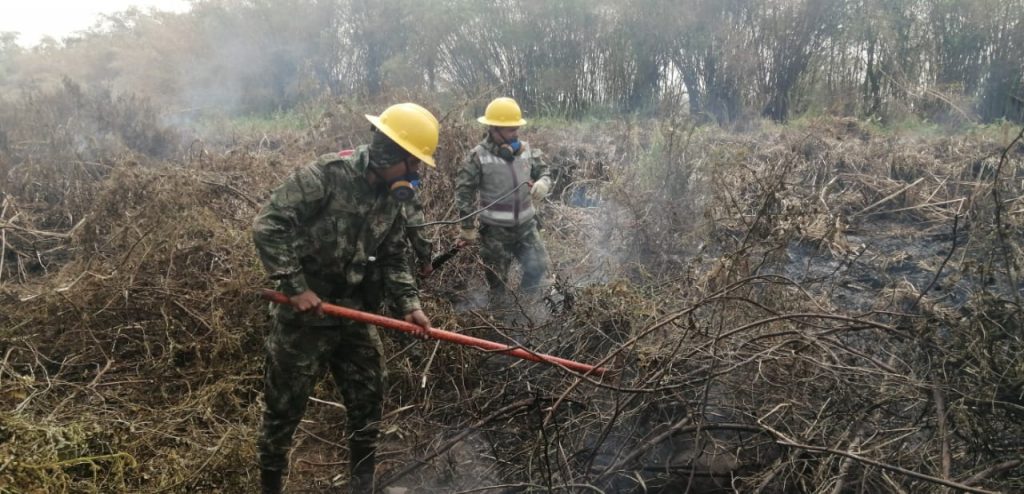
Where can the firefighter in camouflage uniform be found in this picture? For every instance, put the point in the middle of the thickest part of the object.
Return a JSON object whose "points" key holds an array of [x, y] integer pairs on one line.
{"points": [[334, 231], [506, 172]]}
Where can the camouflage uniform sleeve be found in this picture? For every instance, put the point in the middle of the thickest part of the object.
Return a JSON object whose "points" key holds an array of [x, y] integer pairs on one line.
{"points": [[398, 279], [276, 228], [538, 165], [421, 245], [467, 184]]}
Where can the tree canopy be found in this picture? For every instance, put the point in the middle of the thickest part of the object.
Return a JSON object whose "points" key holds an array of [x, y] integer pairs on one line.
{"points": [[727, 60]]}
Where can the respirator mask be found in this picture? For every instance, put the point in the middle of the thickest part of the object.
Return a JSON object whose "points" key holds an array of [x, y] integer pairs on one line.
{"points": [[509, 150], [404, 188]]}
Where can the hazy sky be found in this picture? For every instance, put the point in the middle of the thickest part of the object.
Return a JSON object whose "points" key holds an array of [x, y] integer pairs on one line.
{"points": [[58, 18]]}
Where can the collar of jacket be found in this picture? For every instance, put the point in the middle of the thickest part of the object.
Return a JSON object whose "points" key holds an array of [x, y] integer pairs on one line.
{"points": [[490, 145], [361, 159], [360, 162]]}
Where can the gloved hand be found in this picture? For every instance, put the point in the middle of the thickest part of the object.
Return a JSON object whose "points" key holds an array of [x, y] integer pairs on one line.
{"points": [[467, 236], [540, 188]]}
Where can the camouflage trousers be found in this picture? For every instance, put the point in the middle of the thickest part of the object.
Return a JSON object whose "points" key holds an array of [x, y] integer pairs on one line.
{"points": [[296, 357], [499, 245]]}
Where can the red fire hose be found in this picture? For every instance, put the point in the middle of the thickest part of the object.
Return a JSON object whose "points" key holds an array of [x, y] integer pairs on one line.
{"points": [[440, 334]]}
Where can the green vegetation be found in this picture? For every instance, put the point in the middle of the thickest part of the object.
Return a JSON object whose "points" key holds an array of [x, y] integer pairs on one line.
{"points": [[279, 122]]}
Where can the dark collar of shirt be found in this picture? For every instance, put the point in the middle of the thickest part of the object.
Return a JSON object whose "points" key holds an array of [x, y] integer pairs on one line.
{"points": [[361, 163], [490, 145]]}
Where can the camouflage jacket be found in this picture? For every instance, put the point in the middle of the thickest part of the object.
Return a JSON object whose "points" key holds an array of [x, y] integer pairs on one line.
{"points": [[484, 173], [422, 246], [328, 230]]}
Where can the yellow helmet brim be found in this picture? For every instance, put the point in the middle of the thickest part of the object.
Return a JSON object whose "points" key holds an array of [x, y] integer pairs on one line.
{"points": [[495, 123]]}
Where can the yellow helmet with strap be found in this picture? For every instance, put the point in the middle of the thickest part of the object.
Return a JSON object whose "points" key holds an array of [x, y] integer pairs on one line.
{"points": [[412, 127], [502, 112]]}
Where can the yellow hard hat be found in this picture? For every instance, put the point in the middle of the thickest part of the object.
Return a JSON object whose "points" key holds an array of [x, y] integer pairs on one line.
{"points": [[410, 126], [502, 112]]}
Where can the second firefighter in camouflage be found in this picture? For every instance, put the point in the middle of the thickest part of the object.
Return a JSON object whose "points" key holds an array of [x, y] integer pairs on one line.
{"points": [[509, 178]]}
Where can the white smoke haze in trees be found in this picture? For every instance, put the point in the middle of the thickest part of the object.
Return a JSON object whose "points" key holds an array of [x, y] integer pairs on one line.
{"points": [[38, 19]]}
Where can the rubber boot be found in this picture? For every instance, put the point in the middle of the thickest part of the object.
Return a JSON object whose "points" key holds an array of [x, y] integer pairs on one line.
{"points": [[362, 465], [271, 481]]}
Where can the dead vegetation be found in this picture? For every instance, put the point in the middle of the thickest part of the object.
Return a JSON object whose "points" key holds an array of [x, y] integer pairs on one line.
{"points": [[820, 309]]}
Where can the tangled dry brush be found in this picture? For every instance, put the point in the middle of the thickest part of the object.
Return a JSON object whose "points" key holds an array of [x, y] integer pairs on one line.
{"points": [[817, 308]]}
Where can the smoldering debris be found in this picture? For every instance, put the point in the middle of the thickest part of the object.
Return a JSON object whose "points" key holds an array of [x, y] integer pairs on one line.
{"points": [[803, 309]]}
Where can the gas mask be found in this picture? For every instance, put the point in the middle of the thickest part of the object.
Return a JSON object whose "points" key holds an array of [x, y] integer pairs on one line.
{"points": [[509, 150], [404, 188]]}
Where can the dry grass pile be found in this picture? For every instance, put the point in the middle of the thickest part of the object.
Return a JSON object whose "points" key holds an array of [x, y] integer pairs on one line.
{"points": [[145, 343], [844, 317], [131, 340]]}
